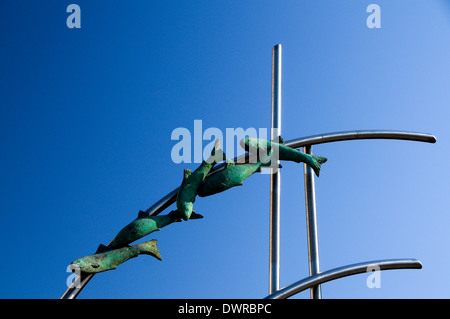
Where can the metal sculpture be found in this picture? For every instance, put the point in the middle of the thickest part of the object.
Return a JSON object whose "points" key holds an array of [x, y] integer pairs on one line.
{"points": [[193, 184], [145, 225], [232, 175], [257, 145], [191, 181], [105, 259], [209, 179]]}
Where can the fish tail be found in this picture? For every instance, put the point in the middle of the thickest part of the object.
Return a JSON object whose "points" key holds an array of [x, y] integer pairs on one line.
{"points": [[149, 248], [317, 161], [194, 215], [177, 217]]}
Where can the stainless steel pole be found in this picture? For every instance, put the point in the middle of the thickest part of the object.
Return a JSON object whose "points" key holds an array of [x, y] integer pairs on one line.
{"points": [[274, 250], [311, 225]]}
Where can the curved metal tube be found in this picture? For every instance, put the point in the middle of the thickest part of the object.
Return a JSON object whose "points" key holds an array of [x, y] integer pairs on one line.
{"points": [[343, 272], [76, 287], [360, 135], [343, 136]]}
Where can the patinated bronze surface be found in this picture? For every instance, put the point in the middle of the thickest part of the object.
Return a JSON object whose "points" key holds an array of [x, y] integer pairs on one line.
{"points": [[108, 260], [232, 175], [144, 225], [191, 182], [285, 153]]}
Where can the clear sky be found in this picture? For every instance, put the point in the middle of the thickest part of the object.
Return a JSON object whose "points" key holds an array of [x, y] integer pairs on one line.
{"points": [[85, 134]]}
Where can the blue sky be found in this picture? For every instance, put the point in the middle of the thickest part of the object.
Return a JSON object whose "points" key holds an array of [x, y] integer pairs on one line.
{"points": [[85, 132]]}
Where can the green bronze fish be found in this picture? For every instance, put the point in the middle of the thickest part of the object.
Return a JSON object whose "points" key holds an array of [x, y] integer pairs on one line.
{"points": [[110, 259], [144, 225], [191, 182], [232, 175], [253, 145]]}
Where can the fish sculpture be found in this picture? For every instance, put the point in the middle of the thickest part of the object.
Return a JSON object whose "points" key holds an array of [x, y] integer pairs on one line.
{"points": [[106, 259], [232, 175], [144, 225], [286, 153], [192, 180]]}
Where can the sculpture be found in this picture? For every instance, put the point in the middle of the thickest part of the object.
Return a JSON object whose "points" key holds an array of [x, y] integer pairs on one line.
{"points": [[144, 225], [191, 181], [254, 145], [193, 184], [110, 259], [232, 175]]}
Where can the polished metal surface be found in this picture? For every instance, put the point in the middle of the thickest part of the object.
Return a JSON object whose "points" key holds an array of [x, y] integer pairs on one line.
{"points": [[275, 192], [344, 271], [311, 225], [163, 203], [274, 266], [360, 135], [72, 292], [344, 136]]}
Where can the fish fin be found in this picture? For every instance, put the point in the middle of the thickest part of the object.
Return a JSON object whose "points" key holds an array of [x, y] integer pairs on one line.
{"points": [[317, 162], [217, 154], [220, 155], [216, 147], [194, 215], [175, 215], [142, 214], [101, 249], [278, 140], [186, 173], [179, 217]]}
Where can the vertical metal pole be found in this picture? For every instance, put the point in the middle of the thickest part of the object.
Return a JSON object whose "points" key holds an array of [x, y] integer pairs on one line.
{"points": [[311, 225], [274, 266]]}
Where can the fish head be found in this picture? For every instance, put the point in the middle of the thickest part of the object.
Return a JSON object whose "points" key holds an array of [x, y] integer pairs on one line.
{"points": [[186, 210], [85, 264], [78, 264]]}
